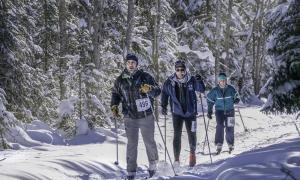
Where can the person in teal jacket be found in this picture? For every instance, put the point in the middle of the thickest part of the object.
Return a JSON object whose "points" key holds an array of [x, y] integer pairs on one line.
{"points": [[223, 96]]}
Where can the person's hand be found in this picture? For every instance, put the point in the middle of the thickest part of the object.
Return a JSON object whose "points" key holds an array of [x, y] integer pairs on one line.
{"points": [[164, 111], [145, 88], [198, 77], [209, 114], [236, 100], [115, 111]]}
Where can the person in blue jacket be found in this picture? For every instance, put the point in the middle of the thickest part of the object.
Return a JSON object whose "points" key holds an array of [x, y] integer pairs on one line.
{"points": [[223, 96], [179, 91]]}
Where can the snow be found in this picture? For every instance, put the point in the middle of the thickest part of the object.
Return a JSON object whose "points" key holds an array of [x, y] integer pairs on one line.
{"points": [[98, 103], [66, 107], [82, 127], [206, 53], [270, 146], [40, 131], [87, 2], [21, 138], [90, 137], [208, 32], [82, 23]]}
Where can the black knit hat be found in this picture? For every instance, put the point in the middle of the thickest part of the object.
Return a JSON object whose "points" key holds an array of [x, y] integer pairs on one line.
{"points": [[131, 56], [180, 63]]}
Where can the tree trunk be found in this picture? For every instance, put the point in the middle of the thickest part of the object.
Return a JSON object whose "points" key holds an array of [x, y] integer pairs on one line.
{"points": [[63, 41], [155, 46], [242, 76], [130, 14], [208, 8], [218, 30], [227, 36], [258, 48], [97, 25], [45, 48]]}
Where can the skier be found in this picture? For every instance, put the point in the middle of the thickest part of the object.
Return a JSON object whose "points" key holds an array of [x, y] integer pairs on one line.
{"points": [[136, 90], [179, 90], [223, 96]]}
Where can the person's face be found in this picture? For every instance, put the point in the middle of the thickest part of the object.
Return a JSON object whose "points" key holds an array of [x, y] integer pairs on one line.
{"points": [[222, 83], [131, 65], [180, 72]]}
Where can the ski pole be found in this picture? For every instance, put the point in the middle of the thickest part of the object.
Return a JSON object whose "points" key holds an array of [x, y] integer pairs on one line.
{"points": [[117, 144], [206, 127], [297, 128], [204, 144], [165, 138], [296, 124], [246, 130], [161, 136]]}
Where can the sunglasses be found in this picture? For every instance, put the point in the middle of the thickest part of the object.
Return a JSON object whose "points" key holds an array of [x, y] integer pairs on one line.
{"points": [[180, 69]]}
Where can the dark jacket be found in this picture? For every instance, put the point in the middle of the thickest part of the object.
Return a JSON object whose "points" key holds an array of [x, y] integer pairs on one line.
{"points": [[223, 99], [127, 90], [169, 96]]}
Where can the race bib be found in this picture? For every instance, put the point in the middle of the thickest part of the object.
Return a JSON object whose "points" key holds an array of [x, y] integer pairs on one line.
{"points": [[143, 104], [194, 126], [230, 122]]}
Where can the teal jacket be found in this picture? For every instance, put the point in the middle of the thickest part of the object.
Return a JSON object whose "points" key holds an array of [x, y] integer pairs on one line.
{"points": [[223, 98]]}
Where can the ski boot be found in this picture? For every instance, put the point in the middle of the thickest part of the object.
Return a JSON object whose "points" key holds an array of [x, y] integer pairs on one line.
{"points": [[231, 148], [219, 149], [131, 177], [151, 173], [192, 159]]}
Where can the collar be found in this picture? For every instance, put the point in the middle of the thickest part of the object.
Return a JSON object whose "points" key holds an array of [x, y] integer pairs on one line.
{"points": [[186, 78]]}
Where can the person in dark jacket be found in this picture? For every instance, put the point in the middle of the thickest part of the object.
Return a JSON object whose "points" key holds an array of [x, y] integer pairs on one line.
{"points": [[136, 90], [179, 91], [223, 96]]}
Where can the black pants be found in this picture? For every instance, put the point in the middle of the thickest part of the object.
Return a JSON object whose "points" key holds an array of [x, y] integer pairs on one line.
{"points": [[177, 125]]}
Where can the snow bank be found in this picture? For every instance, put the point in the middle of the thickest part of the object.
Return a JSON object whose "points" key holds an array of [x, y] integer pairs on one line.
{"points": [[18, 138], [90, 137], [40, 131], [272, 162]]}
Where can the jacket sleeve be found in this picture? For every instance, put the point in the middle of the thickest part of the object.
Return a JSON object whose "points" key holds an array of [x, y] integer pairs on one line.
{"points": [[199, 86], [116, 96], [155, 91], [211, 99], [165, 95]]}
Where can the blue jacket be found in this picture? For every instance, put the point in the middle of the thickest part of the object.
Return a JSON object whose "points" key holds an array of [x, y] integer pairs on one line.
{"points": [[169, 95], [223, 99]]}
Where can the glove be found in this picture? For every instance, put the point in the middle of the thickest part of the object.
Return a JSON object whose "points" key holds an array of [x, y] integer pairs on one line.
{"points": [[198, 77], [145, 88], [236, 100], [209, 115], [115, 111], [164, 111]]}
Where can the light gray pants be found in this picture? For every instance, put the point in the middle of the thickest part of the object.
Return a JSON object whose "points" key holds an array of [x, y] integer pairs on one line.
{"points": [[132, 127]]}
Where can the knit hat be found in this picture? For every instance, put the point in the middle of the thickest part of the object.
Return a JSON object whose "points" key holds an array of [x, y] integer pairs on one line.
{"points": [[222, 76], [180, 63], [131, 56]]}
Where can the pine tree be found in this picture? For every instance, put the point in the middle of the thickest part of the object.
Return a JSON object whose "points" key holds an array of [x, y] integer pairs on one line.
{"points": [[284, 85], [5, 122]]}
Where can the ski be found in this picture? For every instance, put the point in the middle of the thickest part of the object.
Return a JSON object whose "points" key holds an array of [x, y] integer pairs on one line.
{"points": [[214, 153]]}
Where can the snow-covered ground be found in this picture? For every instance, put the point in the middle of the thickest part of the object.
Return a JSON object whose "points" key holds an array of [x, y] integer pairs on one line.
{"points": [[270, 147]]}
